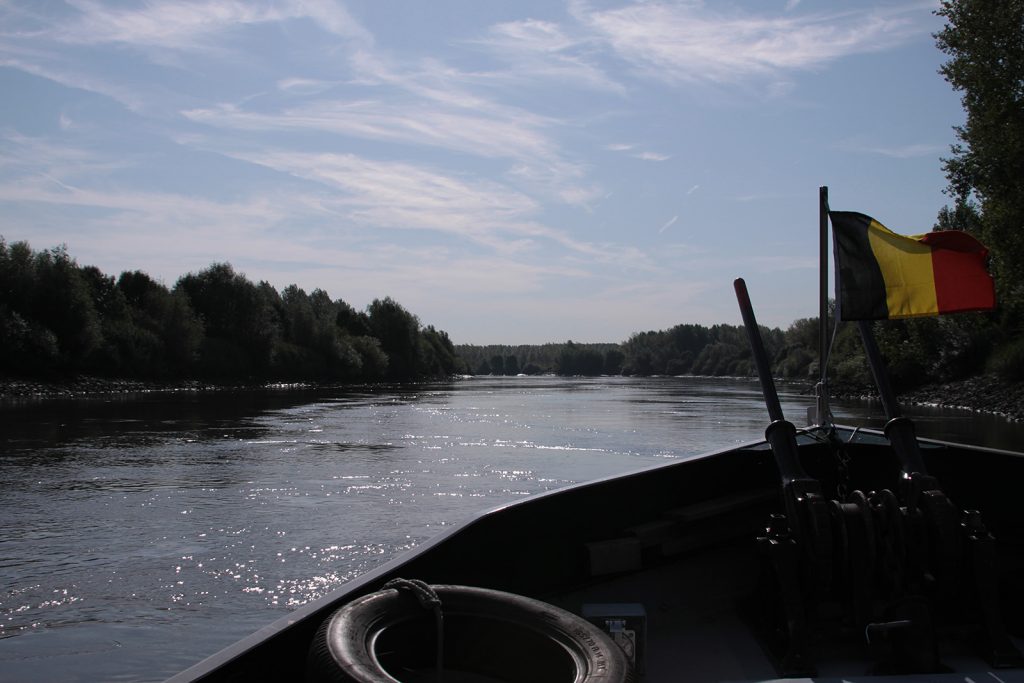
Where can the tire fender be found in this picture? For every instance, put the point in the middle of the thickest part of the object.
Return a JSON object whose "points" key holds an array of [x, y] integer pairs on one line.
{"points": [[492, 633]]}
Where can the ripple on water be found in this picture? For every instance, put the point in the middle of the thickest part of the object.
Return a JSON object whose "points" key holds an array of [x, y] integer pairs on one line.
{"points": [[137, 538]]}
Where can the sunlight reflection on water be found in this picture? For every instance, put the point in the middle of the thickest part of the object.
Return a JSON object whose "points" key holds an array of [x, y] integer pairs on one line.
{"points": [[145, 535]]}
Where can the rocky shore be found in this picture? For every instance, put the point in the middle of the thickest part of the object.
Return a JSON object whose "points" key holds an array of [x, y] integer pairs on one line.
{"points": [[91, 387], [986, 393], [981, 394]]}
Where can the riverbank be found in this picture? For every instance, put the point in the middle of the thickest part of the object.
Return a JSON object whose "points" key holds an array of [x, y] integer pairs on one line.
{"points": [[984, 394], [981, 394], [92, 387]]}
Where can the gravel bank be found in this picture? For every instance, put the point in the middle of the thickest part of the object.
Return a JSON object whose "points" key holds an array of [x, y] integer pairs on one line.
{"points": [[91, 387], [987, 394], [983, 394]]}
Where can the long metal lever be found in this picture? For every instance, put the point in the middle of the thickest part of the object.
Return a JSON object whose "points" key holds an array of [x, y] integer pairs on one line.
{"points": [[780, 433], [899, 429]]}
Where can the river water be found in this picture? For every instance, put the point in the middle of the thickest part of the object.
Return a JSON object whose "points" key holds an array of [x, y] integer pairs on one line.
{"points": [[140, 534]]}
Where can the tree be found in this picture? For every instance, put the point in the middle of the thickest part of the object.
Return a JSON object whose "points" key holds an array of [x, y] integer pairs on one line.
{"points": [[374, 360], [398, 332], [299, 325], [578, 359], [62, 302], [350, 320], [437, 353], [985, 43], [241, 320], [613, 360], [182, 332]]}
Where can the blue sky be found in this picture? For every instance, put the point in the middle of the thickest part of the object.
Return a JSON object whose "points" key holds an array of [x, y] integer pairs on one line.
{"points": [[510, 172]]}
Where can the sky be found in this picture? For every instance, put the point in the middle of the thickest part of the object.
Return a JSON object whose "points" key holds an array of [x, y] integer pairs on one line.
{"points": [[510, 172]]}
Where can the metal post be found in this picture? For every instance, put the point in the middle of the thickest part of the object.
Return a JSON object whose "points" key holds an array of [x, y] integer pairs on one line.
{"points": [[821, 390]]}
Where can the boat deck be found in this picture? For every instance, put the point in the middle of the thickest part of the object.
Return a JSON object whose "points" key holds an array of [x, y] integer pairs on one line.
{"points": [[695, 630]]}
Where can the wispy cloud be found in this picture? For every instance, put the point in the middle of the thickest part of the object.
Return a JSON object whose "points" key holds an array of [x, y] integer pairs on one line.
{"points": [[508, 136], [669, 224], [404, 196], [543, 51], [305, 86], [652, 156], [907, 151], [74, 76], [74, 43], [194, 25], [632, 150], [691, 42], [407, 196], [424, 105], [23, 156], [186, 232]]}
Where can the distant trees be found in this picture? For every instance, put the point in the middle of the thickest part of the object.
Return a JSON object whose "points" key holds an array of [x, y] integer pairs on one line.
{"points": [[694, 350], [579, 360], [564, 359], [58, 318]]}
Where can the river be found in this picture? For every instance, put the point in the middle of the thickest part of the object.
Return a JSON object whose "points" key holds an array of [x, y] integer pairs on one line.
{"points": [[140, 534]]}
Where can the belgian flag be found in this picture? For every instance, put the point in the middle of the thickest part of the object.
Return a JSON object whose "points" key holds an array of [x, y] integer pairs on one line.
{"points": [[883, 275]]}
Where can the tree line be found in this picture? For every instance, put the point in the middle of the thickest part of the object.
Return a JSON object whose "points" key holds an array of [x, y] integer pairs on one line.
{"points": [[568, 359], [60, 319], [916, 352]]}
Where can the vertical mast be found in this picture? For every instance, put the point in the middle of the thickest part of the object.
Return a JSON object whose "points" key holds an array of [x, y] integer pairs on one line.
{"points": [[822, 416]]}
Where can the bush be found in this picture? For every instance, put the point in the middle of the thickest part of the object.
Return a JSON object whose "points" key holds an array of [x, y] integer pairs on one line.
{"points": [[1008, 361], [796, 362]]}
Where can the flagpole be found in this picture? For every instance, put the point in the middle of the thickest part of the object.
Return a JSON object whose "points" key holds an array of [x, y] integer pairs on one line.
{"points": [[821, 391]]}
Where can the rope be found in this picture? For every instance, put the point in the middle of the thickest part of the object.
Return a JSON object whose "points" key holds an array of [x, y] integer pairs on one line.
{"points": [[428, 599]]}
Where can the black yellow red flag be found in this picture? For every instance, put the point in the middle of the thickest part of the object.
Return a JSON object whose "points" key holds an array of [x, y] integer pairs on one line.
{"points": [[881, 274]]}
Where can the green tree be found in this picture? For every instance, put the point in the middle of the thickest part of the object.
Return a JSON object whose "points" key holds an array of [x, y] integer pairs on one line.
{"points": [[30, 348], [298, 322], [158, 335], [241, 321], [374, 361], [350, 320], [985, 42], [62, 303], [398, 332], [579, 359], [437, 354], [640, 353], [182, 333], [613, 361]]}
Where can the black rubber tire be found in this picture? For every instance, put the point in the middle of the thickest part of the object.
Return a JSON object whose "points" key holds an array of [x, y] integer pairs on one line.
{"points": [[489, 636]]}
